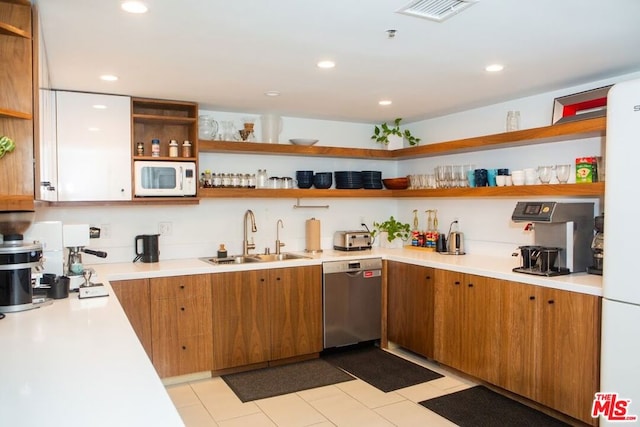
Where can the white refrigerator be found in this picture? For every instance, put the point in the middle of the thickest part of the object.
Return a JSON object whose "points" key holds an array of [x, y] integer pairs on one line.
{"points": [[620, 358]]}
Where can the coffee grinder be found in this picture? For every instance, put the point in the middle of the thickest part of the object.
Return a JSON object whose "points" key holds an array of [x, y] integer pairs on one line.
{"points": [[597, 247], [562, 237]]}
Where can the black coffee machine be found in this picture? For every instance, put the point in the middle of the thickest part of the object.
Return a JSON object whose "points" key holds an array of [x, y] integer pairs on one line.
{"points": [[597, 246], [147, 249]]}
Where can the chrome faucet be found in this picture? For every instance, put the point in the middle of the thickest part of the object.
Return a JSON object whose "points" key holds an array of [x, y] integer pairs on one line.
{"points": [[245, 243], [279, 244]]}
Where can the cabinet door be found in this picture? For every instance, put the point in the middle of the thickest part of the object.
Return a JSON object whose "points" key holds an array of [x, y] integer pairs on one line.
{"points": [[241, 334], [134, 299], [569, 344], [93, 140], [184, 356], [520, 347], [482, 341], [410, 295], [450, 318], [295, 310]]}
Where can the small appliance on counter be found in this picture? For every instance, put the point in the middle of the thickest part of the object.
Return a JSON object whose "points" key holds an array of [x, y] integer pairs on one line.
{"points": [[75, 237], [562, 235], [455, 242], [358, 240], [597, 247], [149, 252], [18, 260]]}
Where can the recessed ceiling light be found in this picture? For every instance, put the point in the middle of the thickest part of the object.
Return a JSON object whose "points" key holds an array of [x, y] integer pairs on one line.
{"points": [[109, 78], [100, 107], [494, 68], [272, 93], [385, 102], [93, 129], [326, 64], [134, 7]]}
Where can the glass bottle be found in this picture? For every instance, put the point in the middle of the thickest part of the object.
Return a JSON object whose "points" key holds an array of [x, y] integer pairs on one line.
{"points": [[261, 178]]}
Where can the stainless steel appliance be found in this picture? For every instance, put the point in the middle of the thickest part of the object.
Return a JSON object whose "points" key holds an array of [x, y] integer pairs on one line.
{"points": [[562, 234], [75, 237], [17, 260], [597, 247], [352, 301], [358, 240], [164, 178], [455, 242]]}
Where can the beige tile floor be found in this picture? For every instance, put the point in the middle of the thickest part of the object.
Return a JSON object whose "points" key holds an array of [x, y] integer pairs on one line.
{"points": [[211, 402]]}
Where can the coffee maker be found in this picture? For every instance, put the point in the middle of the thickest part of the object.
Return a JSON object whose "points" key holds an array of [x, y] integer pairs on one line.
{"points": [[74, 238], [18, 260], [562, 237], [597, 246]]}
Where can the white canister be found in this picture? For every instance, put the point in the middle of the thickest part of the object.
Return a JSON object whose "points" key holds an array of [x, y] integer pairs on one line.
{"points": [[271, 128]]}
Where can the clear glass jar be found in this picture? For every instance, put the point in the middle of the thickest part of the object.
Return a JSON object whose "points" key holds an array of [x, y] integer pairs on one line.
{"points": [[226, 180], [235, 180], [252, 180], [261, 178], [155, 148], [173, 148], [186, 149], [244, 180], [216, 180]]}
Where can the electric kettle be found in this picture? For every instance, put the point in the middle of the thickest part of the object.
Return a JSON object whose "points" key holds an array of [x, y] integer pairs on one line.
{"points": [[455, 242], [150, 251]]}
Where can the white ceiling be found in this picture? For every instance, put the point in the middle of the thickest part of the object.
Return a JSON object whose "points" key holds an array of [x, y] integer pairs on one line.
{"points": [[224, 54]]}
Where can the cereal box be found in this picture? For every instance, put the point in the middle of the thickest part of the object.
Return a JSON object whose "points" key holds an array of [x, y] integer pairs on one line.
{"points": [[586, 169]]}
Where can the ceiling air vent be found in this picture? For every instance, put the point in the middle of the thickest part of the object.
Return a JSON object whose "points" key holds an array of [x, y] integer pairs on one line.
{"points": [[436, 10]]}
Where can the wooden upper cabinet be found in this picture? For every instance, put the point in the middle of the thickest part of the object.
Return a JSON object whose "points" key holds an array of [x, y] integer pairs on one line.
{"points": [[17, 105]]}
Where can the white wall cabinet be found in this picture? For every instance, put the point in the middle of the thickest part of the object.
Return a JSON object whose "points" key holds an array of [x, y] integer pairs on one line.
{"points": [[91, 148]]}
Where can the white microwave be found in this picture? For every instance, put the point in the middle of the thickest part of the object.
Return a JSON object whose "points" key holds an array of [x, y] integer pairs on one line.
{"points": [[164, 178]]}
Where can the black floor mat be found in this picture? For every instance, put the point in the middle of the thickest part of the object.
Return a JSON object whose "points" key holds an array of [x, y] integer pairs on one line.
{"points": [[278, 380], [481, 407], [381, 369]]}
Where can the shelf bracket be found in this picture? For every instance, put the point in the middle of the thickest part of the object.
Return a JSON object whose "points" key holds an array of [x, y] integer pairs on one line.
{"points": [[299, 206]]}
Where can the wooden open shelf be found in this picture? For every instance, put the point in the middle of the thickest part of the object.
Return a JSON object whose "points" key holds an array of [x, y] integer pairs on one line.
{"points": [[11, 114], [561, 132], [523, 191], [10, 30]]}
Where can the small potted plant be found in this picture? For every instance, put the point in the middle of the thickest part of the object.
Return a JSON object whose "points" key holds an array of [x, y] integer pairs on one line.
{"points": [[392, 136], [391, 233]]}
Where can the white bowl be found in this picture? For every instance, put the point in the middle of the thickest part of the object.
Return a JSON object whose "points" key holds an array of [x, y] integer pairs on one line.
{"points": [[303, 141]]}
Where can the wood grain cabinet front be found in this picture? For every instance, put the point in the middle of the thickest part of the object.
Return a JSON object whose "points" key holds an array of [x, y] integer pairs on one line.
{"points": [[134, 299], [410, 293], [265, 315], [181, 324]]}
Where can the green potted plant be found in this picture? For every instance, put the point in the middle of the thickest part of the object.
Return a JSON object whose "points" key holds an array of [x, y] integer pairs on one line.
{"points": [[392, 233], [384, 133]]}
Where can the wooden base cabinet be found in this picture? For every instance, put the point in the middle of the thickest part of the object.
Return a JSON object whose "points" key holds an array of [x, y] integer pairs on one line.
{"points": [[134, 299], [467, 325], [410, 293], [264, 315], [550, 350], [181, 327]]}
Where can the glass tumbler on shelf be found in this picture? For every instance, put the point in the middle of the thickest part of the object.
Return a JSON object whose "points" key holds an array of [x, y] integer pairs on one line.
{"points": [[545, 174], [562, 173]]}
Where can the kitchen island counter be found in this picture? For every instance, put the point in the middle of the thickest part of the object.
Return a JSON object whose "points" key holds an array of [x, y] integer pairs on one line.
{"points": [[78, 362]]}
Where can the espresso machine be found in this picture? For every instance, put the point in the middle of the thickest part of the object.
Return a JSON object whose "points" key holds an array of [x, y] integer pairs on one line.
{"points": [[75, 237], [19, 259], [597, 247], [562, 237]]}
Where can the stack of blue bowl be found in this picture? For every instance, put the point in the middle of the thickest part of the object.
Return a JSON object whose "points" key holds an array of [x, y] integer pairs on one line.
{"points": [[372, 180], [348, 180], [304, 179], [322, 180]]}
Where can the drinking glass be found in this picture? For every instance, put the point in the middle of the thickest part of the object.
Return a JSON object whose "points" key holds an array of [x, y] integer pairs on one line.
{"points": [[441, 177], [545, 173], [448, 176], [562, 173]]}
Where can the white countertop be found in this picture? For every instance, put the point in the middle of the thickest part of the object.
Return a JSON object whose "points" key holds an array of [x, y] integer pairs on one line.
{"points": [[490, 266], [79, 363]]}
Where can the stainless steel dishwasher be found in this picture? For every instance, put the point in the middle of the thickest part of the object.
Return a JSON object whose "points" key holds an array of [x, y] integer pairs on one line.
{"points": [[352, 301]]}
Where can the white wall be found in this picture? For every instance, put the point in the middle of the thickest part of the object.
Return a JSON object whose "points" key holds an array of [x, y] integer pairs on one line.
{"points": [[198, 230]]}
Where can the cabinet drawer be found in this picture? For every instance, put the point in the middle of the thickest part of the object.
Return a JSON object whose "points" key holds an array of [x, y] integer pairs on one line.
{"points": [[181, 287], [172, 357], [172, 318]]}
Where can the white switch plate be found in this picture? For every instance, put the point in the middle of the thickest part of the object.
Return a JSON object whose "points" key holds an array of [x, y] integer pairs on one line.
{"points": [[165, 228]]}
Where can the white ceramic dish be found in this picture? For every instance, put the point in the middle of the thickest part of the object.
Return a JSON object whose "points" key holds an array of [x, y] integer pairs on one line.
{"points": [[303, 141]]}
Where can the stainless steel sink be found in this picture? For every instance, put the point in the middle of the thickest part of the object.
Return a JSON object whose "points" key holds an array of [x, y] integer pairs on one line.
{"points": [[235, 259], [278, 257], [240, 259]]}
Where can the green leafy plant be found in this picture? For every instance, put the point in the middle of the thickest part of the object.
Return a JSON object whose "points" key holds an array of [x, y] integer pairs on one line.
{"points": [[6, 145], [381, 133], [394, 228]]}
